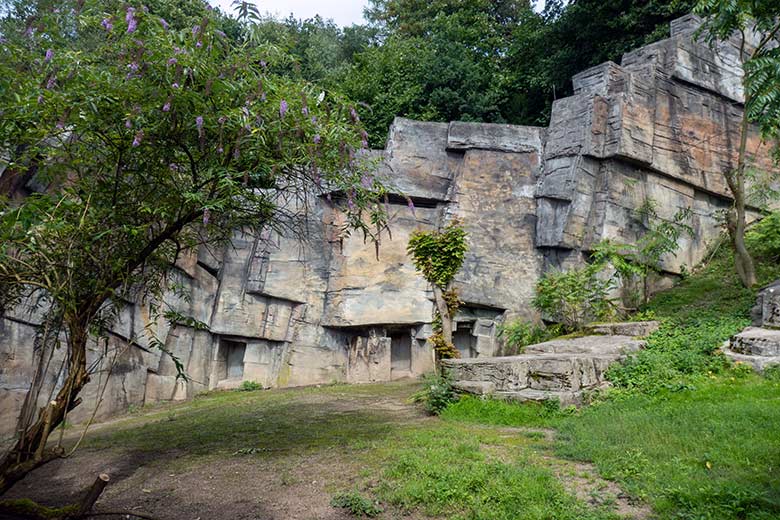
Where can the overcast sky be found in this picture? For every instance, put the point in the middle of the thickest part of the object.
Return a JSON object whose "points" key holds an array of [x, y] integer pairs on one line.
{"points": [[343, 12]]}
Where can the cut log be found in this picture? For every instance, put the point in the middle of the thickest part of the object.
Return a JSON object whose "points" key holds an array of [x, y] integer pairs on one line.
{"points": [[93, 494]]}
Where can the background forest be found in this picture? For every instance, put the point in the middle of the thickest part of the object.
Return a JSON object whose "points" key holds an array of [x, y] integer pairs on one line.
{"points": [[498, 61]]}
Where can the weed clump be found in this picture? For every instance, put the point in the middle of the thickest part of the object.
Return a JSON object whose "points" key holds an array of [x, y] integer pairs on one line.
{"points": [[437, 393], [250, 386], [356, 504]]}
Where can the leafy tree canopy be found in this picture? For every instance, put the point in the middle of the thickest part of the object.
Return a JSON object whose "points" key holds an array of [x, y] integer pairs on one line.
{"points": [[153, 136]]}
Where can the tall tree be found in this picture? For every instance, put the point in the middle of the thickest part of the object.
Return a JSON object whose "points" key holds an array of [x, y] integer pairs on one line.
{"points": [[154, 141], [756, 23]]}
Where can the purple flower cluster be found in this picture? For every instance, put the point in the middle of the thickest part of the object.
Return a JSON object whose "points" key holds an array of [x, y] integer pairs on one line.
{"points": [[164, 24], [167, 106], [132, 23], [172, 61], [139, 135], [317, 139], [107, 25], [282, 108], [49, 55]]}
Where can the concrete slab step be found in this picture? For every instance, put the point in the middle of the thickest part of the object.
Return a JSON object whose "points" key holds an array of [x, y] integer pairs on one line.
{"points": [[564, 398], [638, 329], [596, 345], [563, 366], [759, 363], [756, 341]]}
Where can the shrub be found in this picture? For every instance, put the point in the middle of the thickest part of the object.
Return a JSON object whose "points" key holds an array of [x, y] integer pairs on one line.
{"points": [[763, 238], [575, 297], [356, 504], [437, 393], [519, 334], [250, 386]]}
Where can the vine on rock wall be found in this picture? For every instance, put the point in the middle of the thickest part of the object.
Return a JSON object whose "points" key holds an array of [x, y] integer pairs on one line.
{"points": [[438, 256]]}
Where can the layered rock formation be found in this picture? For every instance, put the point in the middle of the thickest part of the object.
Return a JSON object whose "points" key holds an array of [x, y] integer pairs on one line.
{"points": [[307, 306]]}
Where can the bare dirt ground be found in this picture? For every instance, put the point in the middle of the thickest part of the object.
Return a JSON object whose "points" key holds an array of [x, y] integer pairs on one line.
{"points": [[275, 455]]}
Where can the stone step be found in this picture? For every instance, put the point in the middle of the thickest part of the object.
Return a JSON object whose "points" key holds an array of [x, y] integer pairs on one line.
{"points": [[638, 329], [755, 341], [569, 365], [597, 345], [759, 363], [564, 398]]}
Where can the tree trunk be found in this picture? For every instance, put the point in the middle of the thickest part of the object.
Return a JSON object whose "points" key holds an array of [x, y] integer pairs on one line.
{"points": [[736, 219], [444, 312], [30, 450]]}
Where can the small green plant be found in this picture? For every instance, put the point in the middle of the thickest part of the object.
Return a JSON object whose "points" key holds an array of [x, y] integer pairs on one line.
{"points": [[741, 370], [772, 372], [249, 386], [356, 504], [519, 334], [437, 393], [575, 297]]}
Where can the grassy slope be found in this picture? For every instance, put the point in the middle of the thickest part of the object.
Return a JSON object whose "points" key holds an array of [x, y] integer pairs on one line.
{"points": [[682, 430]]}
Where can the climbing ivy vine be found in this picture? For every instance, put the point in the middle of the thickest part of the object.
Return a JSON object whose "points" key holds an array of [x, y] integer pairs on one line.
{"points": [[438, 256]]}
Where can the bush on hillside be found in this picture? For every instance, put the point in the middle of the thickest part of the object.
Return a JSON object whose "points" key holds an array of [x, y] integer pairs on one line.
{"points": [[763, 238]]}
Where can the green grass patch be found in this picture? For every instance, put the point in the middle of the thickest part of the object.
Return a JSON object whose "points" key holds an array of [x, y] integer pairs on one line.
{"points": [[713, 452], [455, 472], [503, 413]]}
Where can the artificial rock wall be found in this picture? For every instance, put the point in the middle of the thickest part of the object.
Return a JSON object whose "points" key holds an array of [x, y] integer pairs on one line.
{"points": [[305, 306]]}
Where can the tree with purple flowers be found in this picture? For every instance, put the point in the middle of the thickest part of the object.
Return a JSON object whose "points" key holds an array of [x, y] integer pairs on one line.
{"points": [[153, 139]]}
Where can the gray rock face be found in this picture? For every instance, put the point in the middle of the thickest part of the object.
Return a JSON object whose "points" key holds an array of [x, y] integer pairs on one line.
{"points": [[766, 313], [309, 305]]}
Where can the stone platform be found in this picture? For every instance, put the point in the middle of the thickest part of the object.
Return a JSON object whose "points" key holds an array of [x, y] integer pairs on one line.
{"points": [[561, 369], [759, 345], [756, 346]]}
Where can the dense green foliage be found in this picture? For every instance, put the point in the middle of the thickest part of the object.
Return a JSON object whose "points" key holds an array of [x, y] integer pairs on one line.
{"points": [[763, 238], [575, 297], [474, 60], [696, 318], [518, 334], [438, 255]]}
